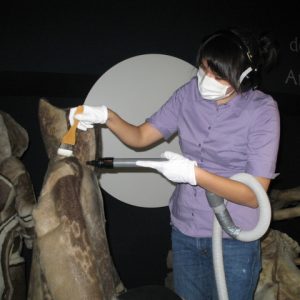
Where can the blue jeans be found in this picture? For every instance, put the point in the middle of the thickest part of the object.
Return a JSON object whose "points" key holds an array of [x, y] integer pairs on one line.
{"points": [[193, 267]]}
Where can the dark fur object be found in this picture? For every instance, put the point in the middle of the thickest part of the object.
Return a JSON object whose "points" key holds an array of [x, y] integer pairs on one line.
{"points": [[17, 200], [151, 292]]}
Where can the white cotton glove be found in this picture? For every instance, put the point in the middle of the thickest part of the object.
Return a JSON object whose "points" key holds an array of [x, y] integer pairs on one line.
{"points": [[177, 168], [91, 115]]}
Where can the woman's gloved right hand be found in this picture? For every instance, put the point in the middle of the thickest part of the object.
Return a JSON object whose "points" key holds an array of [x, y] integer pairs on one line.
{"points": [[91, 115]]}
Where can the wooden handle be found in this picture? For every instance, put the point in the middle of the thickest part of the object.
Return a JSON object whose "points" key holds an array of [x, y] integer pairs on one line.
{"points": [[79, 110], [70, 136]]}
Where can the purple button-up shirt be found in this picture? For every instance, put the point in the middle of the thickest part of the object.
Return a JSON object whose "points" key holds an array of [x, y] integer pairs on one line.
{"points": [[241, 136]]}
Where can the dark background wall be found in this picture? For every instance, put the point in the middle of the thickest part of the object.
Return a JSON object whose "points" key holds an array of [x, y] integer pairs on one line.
{"points": [[58, 50]]}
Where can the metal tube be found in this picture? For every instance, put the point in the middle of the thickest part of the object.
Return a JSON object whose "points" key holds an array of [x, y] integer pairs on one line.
{"points": [[111, 162]]}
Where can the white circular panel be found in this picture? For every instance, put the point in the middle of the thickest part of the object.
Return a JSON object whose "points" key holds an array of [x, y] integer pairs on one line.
{"points": [[136, 88]]}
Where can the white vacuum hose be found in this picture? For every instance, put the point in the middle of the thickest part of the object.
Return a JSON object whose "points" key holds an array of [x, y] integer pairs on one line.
{"points": [[246, 236]]}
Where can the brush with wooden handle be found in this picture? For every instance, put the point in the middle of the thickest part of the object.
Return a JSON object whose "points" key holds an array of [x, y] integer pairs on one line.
{"points": [[69, 139]]}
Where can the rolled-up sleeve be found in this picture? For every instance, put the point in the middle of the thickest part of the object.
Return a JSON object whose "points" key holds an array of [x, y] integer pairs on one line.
{"points": [[263, 140]]}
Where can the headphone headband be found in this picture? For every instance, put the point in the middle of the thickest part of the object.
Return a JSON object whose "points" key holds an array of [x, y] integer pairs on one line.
{"points": [[234, 37]]}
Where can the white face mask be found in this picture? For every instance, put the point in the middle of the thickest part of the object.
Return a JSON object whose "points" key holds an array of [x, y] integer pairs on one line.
{"points": [[210, 88]]}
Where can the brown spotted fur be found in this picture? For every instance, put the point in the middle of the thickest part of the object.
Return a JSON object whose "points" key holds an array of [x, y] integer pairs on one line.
{"points": [[71, 257]]}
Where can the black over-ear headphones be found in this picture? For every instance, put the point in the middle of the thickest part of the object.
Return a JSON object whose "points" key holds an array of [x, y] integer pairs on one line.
{"points": [[239, 41]]}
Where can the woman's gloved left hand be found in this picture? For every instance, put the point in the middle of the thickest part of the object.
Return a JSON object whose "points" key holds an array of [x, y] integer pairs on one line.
{"points": [[176, 168]]}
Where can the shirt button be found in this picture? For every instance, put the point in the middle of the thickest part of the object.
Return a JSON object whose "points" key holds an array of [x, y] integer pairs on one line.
{"points": [[209, 127], [199, 144]]}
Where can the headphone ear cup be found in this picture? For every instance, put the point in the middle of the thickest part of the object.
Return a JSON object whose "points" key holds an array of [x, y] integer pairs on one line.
{"points": [[250, 81]]}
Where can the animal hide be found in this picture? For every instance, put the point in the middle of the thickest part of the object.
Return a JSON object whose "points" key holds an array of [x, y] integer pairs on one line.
{"points": [[71, 258], [280, 277], [285, 203]]}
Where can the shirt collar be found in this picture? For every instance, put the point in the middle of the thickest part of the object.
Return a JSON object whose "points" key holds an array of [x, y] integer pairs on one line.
{"points": [[238, 103]]}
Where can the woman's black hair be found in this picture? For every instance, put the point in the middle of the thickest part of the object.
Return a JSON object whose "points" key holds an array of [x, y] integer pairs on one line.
{"points": [[228, 53]]}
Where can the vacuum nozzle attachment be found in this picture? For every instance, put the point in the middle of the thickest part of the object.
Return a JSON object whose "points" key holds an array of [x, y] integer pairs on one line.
{"points": [[111, 162], [102, 163]]}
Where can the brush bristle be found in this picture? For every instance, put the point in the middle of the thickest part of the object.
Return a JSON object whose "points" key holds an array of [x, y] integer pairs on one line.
{"points": [[64, 152], [69, 139]]}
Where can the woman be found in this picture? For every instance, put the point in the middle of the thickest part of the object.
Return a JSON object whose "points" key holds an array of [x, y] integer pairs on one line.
{"points": [[225, 126]]}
